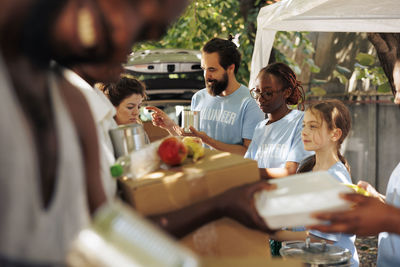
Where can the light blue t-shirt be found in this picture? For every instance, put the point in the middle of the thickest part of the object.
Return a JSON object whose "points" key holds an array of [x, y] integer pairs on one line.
{"points": [[389, 243], [275, 144], [339, 171], [228, 119]]}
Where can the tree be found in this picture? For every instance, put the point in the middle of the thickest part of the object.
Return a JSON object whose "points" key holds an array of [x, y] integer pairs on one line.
{"points": [[387, 46], [205, 19]]}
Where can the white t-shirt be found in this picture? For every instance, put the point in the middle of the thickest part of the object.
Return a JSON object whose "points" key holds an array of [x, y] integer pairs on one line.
{"points": [[274, 144], [28, 232], [389, 243], [228, 119], [103, 113]]}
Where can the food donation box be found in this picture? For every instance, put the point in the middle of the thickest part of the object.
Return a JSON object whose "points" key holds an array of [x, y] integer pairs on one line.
{"points": [[172, 188]]}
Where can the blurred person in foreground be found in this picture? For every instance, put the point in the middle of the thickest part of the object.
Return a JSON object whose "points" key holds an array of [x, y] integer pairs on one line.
{"points": [[49, 164], [373, 215], [103, 114], [49, 155], [228, 114]]}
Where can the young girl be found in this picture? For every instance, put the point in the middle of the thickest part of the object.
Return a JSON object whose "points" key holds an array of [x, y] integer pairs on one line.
{"points": [[325, 126], [276, 143]]}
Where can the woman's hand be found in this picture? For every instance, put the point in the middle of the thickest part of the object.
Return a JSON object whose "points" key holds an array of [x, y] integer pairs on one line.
{"points": [[371, 190]]}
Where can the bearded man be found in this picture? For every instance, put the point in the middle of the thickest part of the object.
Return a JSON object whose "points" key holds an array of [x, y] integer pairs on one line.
{"points": [[228, 114]]}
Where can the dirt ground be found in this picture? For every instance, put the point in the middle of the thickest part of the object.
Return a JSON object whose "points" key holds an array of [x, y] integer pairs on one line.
{"points": [[367, 249]]}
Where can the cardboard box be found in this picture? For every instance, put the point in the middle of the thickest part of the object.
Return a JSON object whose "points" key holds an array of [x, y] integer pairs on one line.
{"points": [[155, 133], [174, 188], [228, 238]]}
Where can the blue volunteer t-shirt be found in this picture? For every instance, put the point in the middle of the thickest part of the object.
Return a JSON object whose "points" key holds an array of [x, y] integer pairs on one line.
{"points": [[339, 171], [276, 143], [228, 119], [389, 243]]}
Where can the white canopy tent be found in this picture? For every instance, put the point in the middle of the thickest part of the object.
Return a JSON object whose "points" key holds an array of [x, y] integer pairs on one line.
{"points": [[320, 16]]}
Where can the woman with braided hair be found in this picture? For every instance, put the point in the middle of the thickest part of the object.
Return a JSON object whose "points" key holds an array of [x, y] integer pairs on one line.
{"points": [[276, 143]]}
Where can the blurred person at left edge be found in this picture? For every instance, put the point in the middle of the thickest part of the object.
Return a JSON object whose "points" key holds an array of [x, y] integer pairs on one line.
{"points": [[49, 164], [49, 167]]}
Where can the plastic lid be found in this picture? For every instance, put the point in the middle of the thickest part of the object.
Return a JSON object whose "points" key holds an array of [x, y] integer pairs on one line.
{"points": [[116, 170], [315, 253]]}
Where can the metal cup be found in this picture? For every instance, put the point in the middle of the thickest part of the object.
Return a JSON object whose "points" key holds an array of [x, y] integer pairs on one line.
{"points": [[190, 118], [127, 138]]}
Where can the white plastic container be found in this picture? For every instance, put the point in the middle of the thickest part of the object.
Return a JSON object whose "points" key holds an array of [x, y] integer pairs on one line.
{"points": [[297, 197]]}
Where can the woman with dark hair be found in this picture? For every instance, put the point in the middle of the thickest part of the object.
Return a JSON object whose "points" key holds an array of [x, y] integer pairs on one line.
{"points": [[276, 143], [127, 96]]}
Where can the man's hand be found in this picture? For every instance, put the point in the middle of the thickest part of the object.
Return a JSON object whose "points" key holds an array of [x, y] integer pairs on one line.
{"points": [[193, 132], [215, 144], [369, 216], [238, 204], [161, 119]]}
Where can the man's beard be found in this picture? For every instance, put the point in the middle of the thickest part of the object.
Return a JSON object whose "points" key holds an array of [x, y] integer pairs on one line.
{"points": [[217, 86]]}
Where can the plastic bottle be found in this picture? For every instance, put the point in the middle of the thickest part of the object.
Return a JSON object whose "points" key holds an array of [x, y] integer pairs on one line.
{"points": [[121, 167], [137, 163], [120, 237]]}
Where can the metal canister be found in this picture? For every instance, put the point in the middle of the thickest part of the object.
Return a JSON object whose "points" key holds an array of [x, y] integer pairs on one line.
{"points": [[316, 254], [127, 138]]}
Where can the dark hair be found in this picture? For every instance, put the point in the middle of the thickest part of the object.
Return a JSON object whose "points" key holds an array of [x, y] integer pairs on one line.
{"points": [[124, 88], [288, 79], [336, 115], [227, 51]]}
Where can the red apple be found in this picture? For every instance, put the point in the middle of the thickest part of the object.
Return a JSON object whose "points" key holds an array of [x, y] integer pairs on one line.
{"points": [[172, 151]]}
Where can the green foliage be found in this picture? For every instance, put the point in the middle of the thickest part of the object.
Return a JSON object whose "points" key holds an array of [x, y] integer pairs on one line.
{"points": [[342, 78], [292, 41], [367, 67], [365, 59], [205, 19], [318, 91]]}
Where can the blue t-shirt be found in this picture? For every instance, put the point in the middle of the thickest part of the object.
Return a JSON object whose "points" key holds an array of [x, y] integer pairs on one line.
{"points": [[275, 144], [339, 171], [389, 243], [228, 119]]}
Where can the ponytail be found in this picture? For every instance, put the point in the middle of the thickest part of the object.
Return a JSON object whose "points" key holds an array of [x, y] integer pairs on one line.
{"points": [[344, 161], [306, 165]]}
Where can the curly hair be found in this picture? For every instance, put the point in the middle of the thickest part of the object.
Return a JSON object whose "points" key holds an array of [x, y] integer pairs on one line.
{"points": [[124, 88], [288, 80], [227, 51]]}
